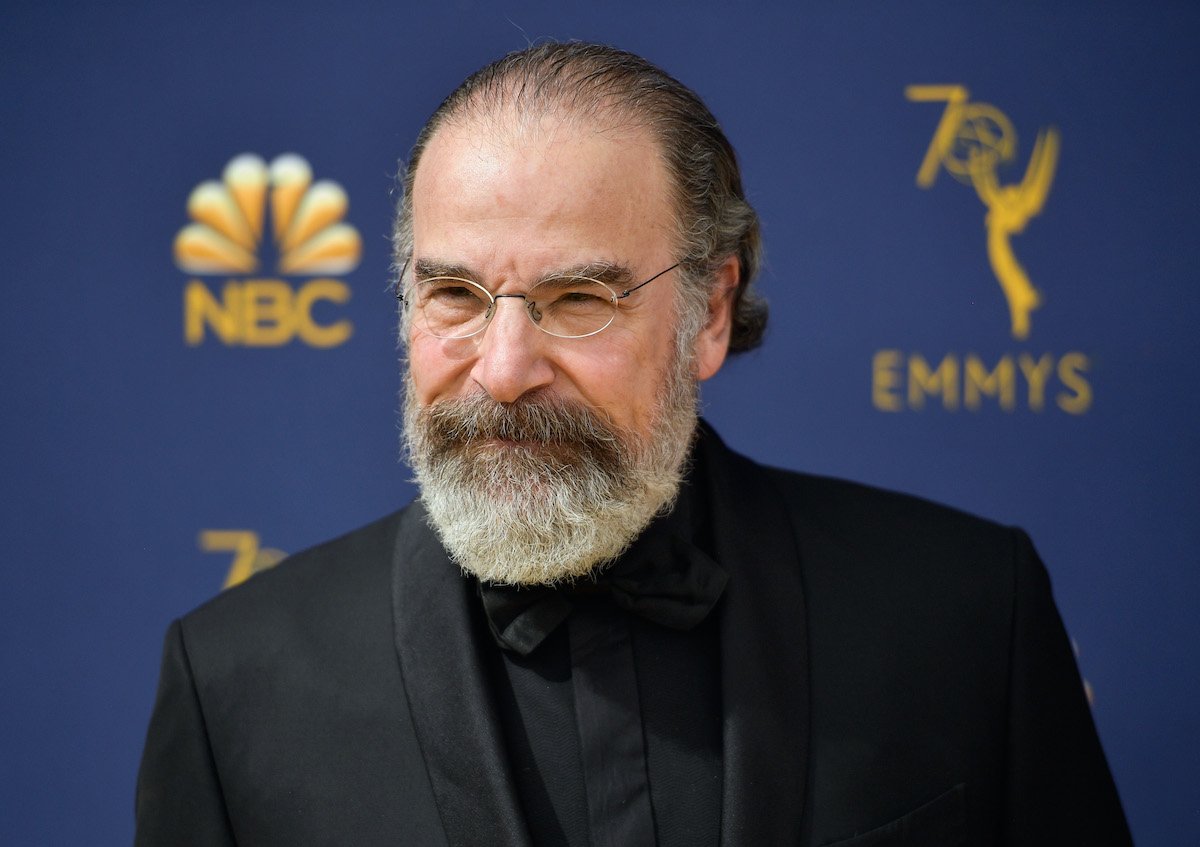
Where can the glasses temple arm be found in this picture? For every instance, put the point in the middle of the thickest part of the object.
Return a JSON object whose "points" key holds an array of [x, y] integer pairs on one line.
{"points": [[629, 291], [400, 280]]}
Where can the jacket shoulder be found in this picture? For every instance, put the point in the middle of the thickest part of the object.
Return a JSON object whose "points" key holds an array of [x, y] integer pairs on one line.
{"points": [[861, 532], [336, 586], [282, 710], [885, 553], [865, 513]]}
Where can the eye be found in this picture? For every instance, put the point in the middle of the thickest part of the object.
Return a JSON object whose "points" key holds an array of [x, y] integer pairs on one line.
{"points": [[447, 290], [581, 297], [448, 307], [450, 293], [572, 307], [571, 292]]}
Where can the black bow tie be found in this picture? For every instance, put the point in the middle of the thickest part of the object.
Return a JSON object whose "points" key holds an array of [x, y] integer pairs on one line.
{"points": [[666, 580]]}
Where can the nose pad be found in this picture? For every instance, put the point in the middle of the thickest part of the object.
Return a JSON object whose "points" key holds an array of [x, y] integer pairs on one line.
{"points": [[531, 309]]}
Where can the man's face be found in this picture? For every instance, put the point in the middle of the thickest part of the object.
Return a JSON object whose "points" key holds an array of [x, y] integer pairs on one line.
{"points": [[507, 204], [541, 457]]}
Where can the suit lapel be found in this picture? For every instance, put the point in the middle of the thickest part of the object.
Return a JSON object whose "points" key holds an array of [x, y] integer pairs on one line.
{"points": [[453, 711], [764, 671], [764, 654]]}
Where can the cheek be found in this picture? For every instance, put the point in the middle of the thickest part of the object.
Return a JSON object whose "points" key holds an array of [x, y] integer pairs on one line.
{"points": [[621, 377], [434, 373]]}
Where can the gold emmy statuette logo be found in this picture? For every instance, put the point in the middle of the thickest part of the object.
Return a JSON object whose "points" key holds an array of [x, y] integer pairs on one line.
{"points": [[248, 557], [971, 141], [230, 218]]}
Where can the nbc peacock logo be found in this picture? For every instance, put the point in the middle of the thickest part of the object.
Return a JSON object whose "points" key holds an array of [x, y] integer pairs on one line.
{"points": [[258, 216]]}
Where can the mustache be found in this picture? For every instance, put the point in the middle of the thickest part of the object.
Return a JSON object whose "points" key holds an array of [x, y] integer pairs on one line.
{"points": [[535, 421]]}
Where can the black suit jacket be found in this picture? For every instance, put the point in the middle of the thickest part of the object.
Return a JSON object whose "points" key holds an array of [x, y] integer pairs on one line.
{"points": [[893, 672]]}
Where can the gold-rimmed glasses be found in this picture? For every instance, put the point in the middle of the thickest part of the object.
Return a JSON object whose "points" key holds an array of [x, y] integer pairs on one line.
{"points": [[568, 306]]}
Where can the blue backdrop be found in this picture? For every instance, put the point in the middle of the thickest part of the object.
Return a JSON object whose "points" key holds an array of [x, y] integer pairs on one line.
{"points": [[960, 310]]}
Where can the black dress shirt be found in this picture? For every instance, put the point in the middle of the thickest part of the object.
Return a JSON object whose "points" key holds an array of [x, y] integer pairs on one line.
{"points": [[613, 721]]}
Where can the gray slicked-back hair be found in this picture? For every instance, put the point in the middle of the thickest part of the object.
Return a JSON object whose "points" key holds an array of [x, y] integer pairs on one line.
{"points": [[714, 221]]}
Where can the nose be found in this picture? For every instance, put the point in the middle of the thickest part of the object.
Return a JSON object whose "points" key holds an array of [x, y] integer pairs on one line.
{"points": [[512, 353]]}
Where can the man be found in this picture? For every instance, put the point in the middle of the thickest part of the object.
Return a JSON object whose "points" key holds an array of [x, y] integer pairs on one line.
{"points": [[598, 625]]}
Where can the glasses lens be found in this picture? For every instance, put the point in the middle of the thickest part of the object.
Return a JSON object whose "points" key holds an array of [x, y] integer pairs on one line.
{"points": [[451, 308], [572, 307]]}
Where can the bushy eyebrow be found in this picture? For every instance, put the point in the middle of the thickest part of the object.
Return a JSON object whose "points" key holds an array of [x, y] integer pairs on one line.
{"points": [[430, 268], [610, 273], [616, 276]]}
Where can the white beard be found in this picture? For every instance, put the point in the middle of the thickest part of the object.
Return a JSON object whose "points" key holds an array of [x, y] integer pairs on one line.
{"points": [[562, 493]]}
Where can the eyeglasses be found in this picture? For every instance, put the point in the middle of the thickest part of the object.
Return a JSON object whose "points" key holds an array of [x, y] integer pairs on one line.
{"points": [[564, 306]]}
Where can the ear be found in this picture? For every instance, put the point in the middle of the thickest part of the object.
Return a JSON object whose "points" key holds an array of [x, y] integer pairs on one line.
{"points": [[712, 344]]}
